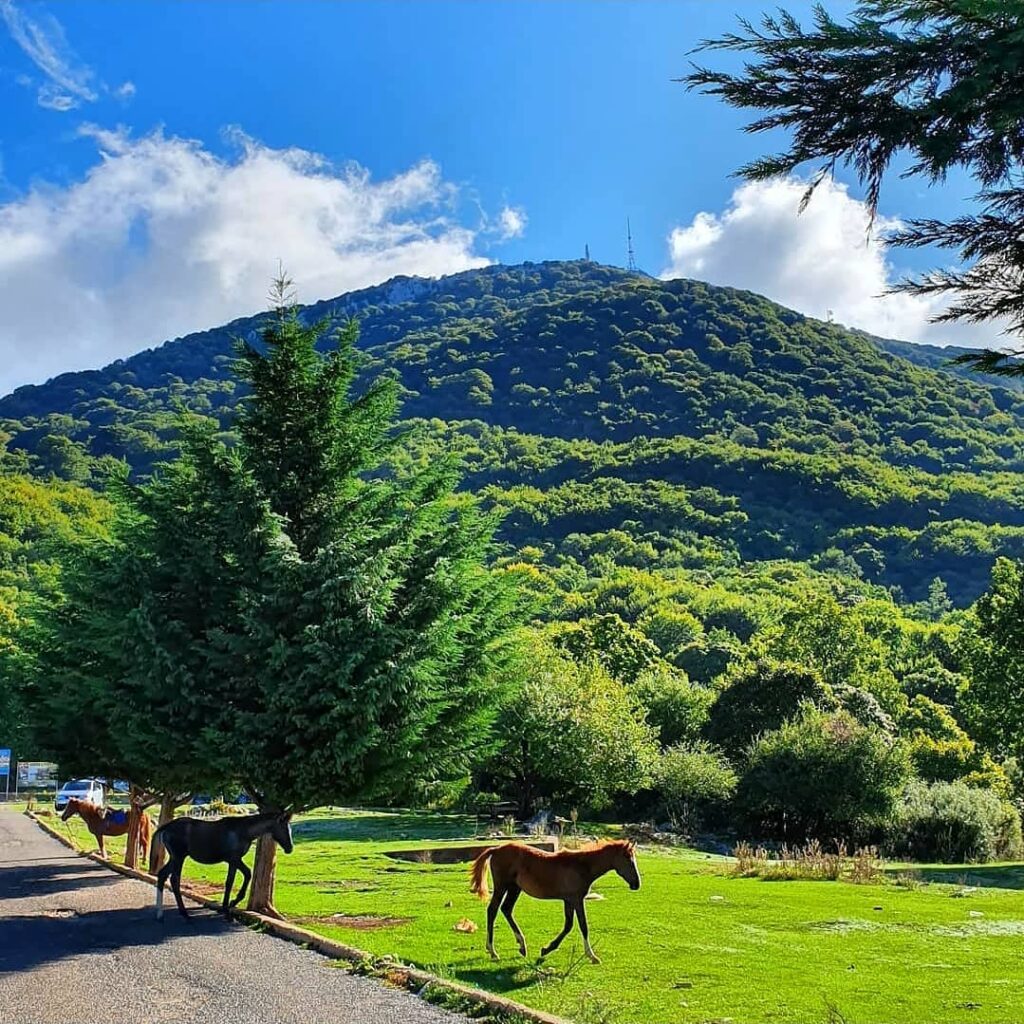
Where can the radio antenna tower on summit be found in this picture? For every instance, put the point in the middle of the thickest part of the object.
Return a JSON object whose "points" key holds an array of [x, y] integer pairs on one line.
{"points": [[630, 255]]}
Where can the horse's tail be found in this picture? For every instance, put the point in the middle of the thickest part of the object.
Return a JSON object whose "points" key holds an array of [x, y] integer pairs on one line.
{"points": [[155, 840], [145, 830], [478, 873]]}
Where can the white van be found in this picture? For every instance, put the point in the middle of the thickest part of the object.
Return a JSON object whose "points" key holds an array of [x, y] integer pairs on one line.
{"points": [[80, 789]]}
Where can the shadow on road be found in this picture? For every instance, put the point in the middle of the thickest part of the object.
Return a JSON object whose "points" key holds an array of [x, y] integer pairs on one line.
{"points": [[29, 942], [48, 876]]}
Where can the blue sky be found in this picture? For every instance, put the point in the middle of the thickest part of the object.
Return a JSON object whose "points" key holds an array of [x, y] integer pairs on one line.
{"points": [[482, 131]]}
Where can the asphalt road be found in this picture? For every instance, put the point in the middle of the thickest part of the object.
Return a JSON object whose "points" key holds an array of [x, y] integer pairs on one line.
{"points": [[80, 945]]}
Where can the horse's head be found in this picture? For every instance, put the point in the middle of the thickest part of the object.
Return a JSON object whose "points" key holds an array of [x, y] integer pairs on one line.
{"points": [[281, 830], [70, 808], [624, 863]]}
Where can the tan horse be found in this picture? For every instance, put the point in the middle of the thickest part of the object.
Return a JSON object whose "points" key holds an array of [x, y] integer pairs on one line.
{"points": [[566, 876], [102, 823]]}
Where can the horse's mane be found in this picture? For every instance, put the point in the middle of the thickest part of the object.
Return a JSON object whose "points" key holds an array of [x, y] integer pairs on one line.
{"points": [[87, 805], [625, 845]]}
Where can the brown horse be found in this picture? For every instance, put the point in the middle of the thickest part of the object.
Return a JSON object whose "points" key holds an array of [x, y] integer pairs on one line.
{"points": [[102, 823], [566, 876]]}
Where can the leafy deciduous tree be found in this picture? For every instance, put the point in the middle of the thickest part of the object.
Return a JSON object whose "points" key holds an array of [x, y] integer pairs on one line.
{"points": [[569, 734]]}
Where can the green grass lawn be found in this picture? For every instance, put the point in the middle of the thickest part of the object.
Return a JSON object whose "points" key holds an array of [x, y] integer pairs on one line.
{"points": [[693, 945]]}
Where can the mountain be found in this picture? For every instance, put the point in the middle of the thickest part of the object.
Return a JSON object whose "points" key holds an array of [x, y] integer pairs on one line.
{"points": [[940, 357], [618, 417]]}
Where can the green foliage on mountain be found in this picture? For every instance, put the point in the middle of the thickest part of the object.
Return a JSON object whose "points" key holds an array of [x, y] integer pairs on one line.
{"points": [[744, 533], [40, 525], [622, 420]]}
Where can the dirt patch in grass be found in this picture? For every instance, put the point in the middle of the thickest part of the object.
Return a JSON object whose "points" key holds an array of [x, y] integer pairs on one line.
{"points": [[207, 889], [970, 929], [333, 886], [460, 854], [844, 927], [361, 922]]}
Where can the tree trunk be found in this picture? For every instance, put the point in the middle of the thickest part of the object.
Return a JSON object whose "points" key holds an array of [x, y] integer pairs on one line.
{"points": [[261, 892], [131, 852], [157, 854]]}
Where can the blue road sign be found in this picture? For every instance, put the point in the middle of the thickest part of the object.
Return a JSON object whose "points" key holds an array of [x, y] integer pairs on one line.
{"points": [[5, 762]]}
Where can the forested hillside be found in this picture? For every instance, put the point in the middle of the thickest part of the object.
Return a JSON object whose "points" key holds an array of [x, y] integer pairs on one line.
{"points": [[625, 420]]}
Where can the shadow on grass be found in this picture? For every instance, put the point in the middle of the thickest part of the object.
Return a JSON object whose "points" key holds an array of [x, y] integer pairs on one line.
{"points": [[498, 979], [514, 973], [381, 827], [995, 876]]}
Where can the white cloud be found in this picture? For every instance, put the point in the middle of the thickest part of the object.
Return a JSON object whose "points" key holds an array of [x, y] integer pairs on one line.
{"points": [[161, 237], [817, 261], [125, 91], [511, 222], [68, 81]]}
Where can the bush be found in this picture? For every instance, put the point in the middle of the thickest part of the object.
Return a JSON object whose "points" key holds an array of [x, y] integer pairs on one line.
{"points": [[670, 627], [942, 752], [936, 682], [953, 823], [929, 718], [864, 706], [621, 648], [676, 708], [690, 778], [759, 698], [823, 775], [708, 657]]}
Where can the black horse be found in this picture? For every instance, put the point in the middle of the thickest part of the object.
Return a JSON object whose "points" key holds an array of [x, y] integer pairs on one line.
{"points": [[215, 842]]}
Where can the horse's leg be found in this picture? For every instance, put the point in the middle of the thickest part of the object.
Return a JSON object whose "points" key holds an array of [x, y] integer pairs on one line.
{"points": [[557, 940], [227, 887], [506, 908], [581, 916], [161, 878], [246, 875], [492, 913], [176, 885], [103, 849]]}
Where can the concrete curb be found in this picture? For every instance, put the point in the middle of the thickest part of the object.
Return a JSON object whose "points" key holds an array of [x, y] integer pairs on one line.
{"points": [[416, 981]]}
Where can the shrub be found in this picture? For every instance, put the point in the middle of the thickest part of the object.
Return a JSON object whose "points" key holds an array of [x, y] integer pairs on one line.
{"points": [[670, 627], [822, 775], [689, 778], [676, 708], [951, 822], [864, 706], [708, 657], [731, 613], [930, 718], [810, 862], [942, 752], [936, 682], [621, 648], [759, 698]]}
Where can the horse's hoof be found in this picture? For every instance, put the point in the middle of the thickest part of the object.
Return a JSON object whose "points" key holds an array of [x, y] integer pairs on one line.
{"points": [[594, 958], [494, 956], [522, 951]]}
